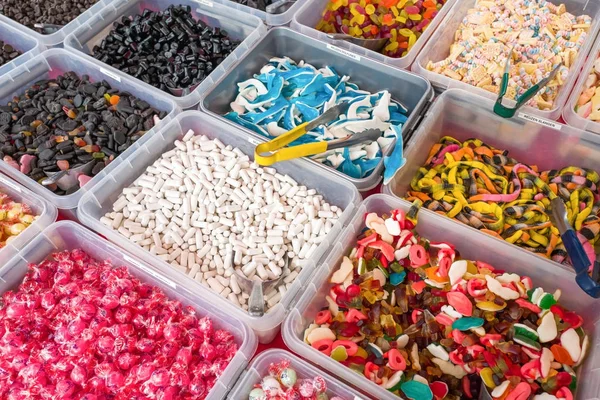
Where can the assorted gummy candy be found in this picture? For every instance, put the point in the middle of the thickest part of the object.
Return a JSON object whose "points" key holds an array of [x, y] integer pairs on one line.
{"points": [[77, 328], [486, 188], [283, 383], [286, 94], [401, 21], [14, 218], [415, 318]]}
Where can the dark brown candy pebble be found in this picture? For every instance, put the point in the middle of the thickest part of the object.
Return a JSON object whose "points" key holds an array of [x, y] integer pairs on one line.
{"points": [[61, 119]]}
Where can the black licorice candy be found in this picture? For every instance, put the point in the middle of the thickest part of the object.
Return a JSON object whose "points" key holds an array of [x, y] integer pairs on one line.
{"points": [[169, 50]]}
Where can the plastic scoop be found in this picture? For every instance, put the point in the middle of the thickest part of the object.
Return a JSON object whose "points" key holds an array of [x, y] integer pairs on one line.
{"points": [[280, 6], [257, 288], [371, 44], [579, 259], [48, 28], [68, 178]]}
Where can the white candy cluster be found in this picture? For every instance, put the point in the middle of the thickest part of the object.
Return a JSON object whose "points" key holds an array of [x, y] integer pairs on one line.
{"points": [[206, 209]]}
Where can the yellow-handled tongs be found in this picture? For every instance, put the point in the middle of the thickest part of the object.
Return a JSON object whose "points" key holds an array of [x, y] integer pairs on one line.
{"points": [[275, 151]]}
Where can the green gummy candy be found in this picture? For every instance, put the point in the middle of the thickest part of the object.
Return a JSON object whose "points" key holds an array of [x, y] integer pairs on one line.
{"points": [[547, 301], [524, 330], [417, 390], [527, 342], [339, 354], [466, 323]]}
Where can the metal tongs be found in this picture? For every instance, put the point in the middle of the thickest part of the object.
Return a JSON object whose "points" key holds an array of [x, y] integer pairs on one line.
{"points": [[579, 259], [507, 112], [275, 151], [48, 28]]}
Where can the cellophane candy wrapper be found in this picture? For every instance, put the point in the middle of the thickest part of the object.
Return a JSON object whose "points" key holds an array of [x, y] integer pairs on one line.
{"points": [[413, 317], [78, 328], [283, 383]]}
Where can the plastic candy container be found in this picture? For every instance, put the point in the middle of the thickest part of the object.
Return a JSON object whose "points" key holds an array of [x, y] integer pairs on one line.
{"points": [[588, 105], [415, 318], [286, 94], [542, 35], [77, 328], [283, 383], [402, 21], [487, 189], [14, 218]]}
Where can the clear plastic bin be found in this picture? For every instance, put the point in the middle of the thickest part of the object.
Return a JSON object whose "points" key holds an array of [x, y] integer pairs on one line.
{"points": [[53, 63], [270, 19], [45, 211], [307, 18], [471, 246], [28, 45], [241, 26], [66, 235], [438, 47], [56, 39], [100, 199], [464, 115], [260, 368], [569, 114], [411, 90]]}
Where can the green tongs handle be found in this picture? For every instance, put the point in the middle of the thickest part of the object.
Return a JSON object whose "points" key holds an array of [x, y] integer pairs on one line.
{"points": [[507, 112]]}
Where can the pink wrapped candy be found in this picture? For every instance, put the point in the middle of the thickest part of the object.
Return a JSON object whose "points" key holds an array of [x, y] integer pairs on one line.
{"points": [[77, 328]]}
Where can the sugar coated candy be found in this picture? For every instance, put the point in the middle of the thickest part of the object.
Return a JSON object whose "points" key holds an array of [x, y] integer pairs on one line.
{"points": [[450, 324], [401, 21]]}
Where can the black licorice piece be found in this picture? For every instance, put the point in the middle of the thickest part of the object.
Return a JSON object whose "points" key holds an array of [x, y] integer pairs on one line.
{"points": [[165, 47], [69, 121]]}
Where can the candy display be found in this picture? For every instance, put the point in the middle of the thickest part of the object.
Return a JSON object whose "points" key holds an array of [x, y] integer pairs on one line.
{"points": [[14, 218], [286, 94], [541, 34], [588, 104], [485, 188], [401, 21], [53, 12], [283, 382], [209, 211], [8, 53], [78, 328], [170, 49], [69, 122], [415, 318]]}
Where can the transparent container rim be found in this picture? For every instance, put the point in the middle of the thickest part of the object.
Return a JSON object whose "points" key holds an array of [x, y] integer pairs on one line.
{"points": [[275, 316], [400, 62], [444, 83], [216, 8], [70, 201], [363, 184], [248, 339], [269, 19], [56, 38]]}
